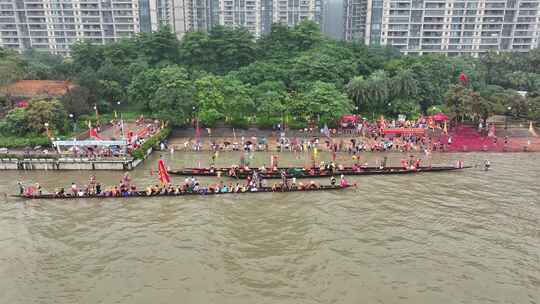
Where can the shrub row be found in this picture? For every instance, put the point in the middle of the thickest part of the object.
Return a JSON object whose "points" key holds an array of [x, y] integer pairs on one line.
{"points": [[21, 142], [151, 142]]}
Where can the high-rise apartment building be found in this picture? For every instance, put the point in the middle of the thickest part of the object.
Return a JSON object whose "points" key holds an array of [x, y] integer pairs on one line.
{"points": [[55, 24], [244, 13], [355, 19], [259, 15], [181, 16], [445, 26]]}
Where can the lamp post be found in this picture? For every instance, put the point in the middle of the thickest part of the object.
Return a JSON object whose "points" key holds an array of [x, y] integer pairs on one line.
{"points": [[47, 129], [72, 117], [506, 118], [118, 103]]}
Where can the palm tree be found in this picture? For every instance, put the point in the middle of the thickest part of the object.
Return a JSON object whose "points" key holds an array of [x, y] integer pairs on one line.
{"points": [[404, 84], [358, 90]]}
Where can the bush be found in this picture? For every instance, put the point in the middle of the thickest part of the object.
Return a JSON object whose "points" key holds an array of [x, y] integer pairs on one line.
{"points": [[293, 124], [266, 122], [153, 141], [21, 142], [241, 123]]}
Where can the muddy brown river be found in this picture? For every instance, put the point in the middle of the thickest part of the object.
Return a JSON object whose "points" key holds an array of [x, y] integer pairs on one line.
{"points": [[458, 237]]}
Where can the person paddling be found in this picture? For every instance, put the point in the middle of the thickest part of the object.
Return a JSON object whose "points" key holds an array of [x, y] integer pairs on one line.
{"points": [[487, 164], [21, 188], [343, 182]]}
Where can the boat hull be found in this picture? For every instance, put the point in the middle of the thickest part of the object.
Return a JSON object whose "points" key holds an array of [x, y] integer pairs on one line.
{"points": [[142, 194], [302, 173]]}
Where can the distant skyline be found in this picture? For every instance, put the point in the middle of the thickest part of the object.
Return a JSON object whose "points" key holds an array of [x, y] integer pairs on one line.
{"points": [[414, 26]]}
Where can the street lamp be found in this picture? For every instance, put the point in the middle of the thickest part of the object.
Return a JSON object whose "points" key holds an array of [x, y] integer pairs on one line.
{"points": [[72, 117], [506, 118], [47, 129]]}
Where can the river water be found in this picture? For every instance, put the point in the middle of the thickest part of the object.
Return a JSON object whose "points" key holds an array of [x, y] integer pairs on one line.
{"points": [[461, 237]]}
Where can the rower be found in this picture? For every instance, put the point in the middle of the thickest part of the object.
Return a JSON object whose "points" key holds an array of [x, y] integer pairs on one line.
{"points": [[383, 163], [333, 181], [74, 189], [487, 164], [21, 188], [343, 182], [284, 179], [61, 192]]}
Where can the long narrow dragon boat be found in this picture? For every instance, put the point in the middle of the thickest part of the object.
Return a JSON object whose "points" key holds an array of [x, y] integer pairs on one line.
{"points": [[299, 172], [360, 172], [144, 194]]}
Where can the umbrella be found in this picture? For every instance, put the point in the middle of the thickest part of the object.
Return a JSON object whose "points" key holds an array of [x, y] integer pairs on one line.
{"points": [[440, 117]]}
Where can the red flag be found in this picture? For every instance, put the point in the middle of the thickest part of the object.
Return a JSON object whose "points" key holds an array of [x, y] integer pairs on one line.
{"points": [[463, 78], [93, 133], [164, 177]]}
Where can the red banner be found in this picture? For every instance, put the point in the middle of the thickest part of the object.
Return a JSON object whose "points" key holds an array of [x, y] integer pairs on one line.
{"points": [[405, 131]]}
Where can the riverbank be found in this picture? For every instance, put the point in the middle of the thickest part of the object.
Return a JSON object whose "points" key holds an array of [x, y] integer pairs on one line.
{"points": [[464, 139]]}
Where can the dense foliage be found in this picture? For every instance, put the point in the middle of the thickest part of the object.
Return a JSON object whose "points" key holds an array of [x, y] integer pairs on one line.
{"points": [[151, 142], [293, 75]]}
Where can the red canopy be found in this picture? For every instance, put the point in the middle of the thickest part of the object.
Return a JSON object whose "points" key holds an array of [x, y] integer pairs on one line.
{"points": [[440, 117], [416, 131], [349, 118]]}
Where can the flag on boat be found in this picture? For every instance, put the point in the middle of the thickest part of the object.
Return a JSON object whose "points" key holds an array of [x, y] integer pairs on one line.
{"points": [[164, 177]]}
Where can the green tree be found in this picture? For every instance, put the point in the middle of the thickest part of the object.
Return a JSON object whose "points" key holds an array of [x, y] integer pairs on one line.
{"points": [[210, 100], [175, 97], [5, 105], [44, 65], [15, 123], [323, 102], [142, 88], [480, 107], [239, 104], [78, 101], [12, 67], [457, 100], [86, 55], [159, 48], [40, 112]]}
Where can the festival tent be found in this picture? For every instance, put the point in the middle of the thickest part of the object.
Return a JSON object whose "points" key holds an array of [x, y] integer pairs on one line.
{"points": [[349, 120]]}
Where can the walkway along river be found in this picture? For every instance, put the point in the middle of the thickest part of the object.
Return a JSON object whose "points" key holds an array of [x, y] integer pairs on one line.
{"points": [[463, 237]]}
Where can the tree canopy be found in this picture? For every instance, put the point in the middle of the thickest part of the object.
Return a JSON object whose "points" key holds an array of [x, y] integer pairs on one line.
{"points": [[292, 74]]}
